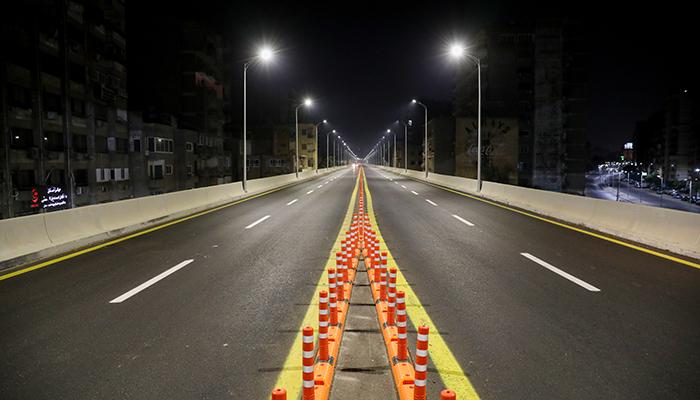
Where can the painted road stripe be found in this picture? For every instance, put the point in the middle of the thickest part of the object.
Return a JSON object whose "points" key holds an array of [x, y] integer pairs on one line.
{"points": [[446, 364], [292, 202], [150, 282], [431, 202], [457, 217], [403, 186], [257, 222], [414, 192], [319, 186], [136, 234], [561, 273], [567, 226], [289, 374], [310, 191]]}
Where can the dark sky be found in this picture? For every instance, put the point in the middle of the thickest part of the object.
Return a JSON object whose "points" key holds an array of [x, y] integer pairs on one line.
{"points": [[363, 63]]}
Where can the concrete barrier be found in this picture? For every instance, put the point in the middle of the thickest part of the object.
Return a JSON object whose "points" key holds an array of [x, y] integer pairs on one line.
{"points": [[27, 239], [666, 229]]}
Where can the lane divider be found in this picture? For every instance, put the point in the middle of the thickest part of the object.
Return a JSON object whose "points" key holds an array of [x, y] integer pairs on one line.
{"points": [[404, 372], [340, 282]]}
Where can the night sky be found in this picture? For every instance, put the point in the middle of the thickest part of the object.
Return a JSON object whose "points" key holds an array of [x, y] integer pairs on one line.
{"points": [[363, 64]]}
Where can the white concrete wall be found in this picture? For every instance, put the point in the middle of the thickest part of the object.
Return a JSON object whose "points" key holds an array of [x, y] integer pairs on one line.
{"points": [[34, 237], [667, 229]]}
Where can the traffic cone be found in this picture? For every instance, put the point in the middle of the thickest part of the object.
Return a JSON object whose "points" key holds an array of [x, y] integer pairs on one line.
{"points": [[307, 361], [323, 326], [421, 364]]}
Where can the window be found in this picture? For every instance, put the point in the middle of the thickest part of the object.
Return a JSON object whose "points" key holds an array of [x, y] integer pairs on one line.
{"points": [[160, 145], [155, 169], [21, 138], [136, 144], [100, 144], [81, 177], [111, 144], [122, 145], [189, 170], [54, 141], [168, 169], [189, 146], [52, 102], [103, 174], [19, 96], [80, 143], [77, 107]]}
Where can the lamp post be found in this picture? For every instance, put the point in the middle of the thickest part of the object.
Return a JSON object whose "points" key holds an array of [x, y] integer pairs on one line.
{"points": [[265, 54], [307, 103], [457, 52], [316, 144], [425, 146], [327, 155]]}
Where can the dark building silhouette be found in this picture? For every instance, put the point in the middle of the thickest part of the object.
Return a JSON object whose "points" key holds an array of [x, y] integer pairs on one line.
{"points": [[535, 95]]}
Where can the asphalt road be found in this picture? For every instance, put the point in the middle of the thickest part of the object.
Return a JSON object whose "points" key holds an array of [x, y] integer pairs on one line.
{"points": [[218, 327], [522, 331], [222, 325]]}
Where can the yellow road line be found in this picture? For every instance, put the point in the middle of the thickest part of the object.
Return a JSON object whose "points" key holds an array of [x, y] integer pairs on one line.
{"points": [[133, 235], [447, 366], [567, 226], [290, 375]]}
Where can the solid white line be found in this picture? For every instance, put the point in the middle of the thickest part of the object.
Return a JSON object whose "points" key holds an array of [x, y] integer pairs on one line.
{"points": [[150, 282], [431, 202], [462, 219], [403, 186], [561, 273], [414, 192], [310, 191], [257, 222], [292, 202]]}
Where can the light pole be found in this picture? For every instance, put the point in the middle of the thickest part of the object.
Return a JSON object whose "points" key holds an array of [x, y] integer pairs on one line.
{"points": [[456, 52], [307, 103], [425, 148], [265, 54], [316, 144], [327, 155]]}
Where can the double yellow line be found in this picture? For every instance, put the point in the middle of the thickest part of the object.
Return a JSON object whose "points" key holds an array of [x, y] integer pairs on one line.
{"points": [[290, 375], [443, 359]]}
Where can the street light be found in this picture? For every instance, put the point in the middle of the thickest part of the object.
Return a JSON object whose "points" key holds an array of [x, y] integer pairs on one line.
{"points": [[328, 158], [307, 103], [265, 55], [457, 51], [316, 144], [425, 148]]}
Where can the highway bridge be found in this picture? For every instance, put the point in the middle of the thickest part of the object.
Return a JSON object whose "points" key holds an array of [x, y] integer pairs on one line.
{"points": [[213, 305]]}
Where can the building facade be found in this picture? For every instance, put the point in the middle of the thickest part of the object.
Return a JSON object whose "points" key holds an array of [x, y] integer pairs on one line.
{"points": [[533, 72], [63, 102]]}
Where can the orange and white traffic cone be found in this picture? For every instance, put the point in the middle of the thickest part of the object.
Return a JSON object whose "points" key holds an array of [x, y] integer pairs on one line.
{"points": [[401, 352], [332, 297], [448, 394], [279, 394], [391, 303], [421, 364], [323, 326], [339, 278], [307, 361]]}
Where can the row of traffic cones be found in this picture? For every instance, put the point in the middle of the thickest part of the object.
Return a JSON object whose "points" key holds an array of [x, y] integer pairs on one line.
{"points": [[361, 243]]}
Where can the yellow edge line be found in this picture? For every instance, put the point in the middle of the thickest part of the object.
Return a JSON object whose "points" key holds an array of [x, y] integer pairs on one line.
{"points": [[136, 234], [563, 225], [290, 376], [447, 366]]}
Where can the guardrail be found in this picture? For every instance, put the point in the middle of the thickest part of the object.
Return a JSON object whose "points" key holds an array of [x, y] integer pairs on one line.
{"points": [[35, 237], [666, 229]]}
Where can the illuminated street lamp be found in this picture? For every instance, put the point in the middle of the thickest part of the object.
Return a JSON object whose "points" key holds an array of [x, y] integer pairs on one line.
{"points": [[316, 144], [265, 55], [425, 148], [457, 51], [327, 158], [307, 103]]}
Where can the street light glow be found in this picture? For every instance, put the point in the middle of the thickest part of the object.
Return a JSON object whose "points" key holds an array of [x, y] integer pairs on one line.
{"points": [[456, 50], [265, 53], [307, 102], [325, 122], [413, 101]]}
